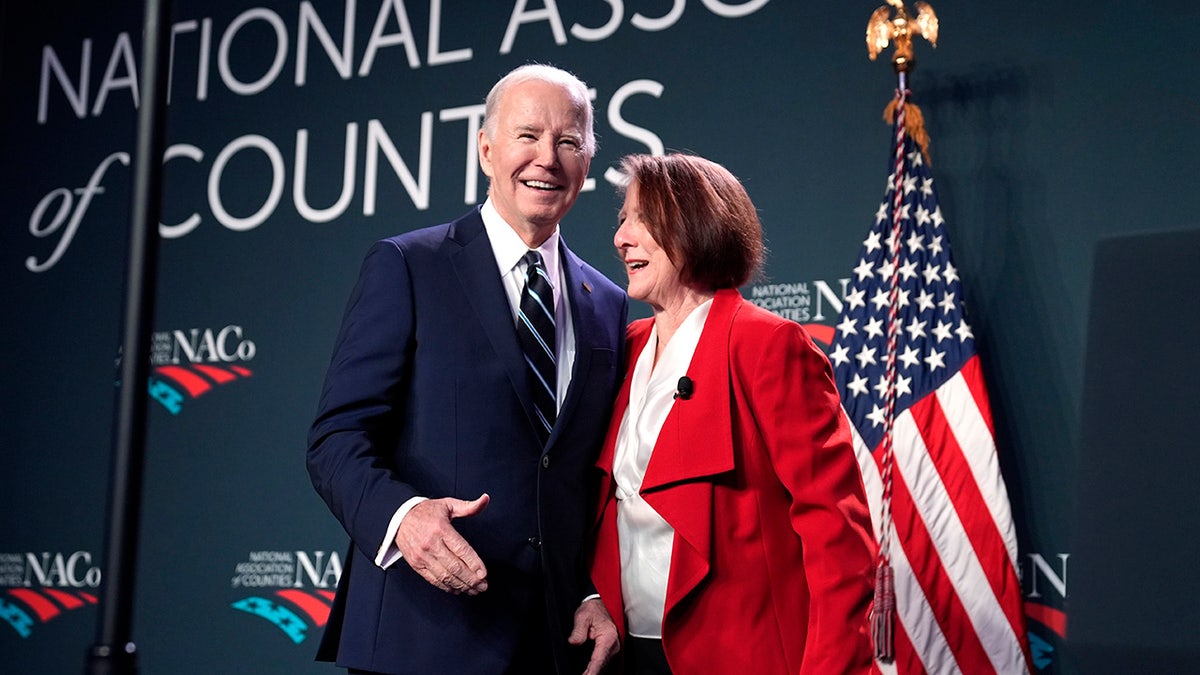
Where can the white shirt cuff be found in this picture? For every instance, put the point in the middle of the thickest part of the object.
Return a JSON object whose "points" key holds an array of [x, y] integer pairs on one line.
{"points": [[388, 552]]}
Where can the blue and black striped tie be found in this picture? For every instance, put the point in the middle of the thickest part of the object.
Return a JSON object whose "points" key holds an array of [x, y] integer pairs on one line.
{"points": [[535, 330]]}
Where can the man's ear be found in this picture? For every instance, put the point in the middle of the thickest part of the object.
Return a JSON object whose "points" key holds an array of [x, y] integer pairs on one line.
{"points": [[485, 153]]}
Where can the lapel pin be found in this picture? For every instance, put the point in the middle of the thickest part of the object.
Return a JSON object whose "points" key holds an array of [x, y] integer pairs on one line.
{"points": [[587, 287]]}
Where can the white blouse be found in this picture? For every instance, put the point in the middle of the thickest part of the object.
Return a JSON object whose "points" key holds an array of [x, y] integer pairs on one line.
{"points": [[645, 538]]}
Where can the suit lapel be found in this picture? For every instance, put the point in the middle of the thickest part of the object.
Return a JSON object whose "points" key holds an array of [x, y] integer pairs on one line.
{"points": [[474, 264], [578, 290], [636, 336], [696, 438], [695, 446]]}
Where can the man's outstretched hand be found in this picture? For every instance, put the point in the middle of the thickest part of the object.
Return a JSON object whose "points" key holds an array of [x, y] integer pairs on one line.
{"points": [[436, 551]]}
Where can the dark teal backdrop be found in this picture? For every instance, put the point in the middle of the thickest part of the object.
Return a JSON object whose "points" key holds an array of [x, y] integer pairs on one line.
{"points": [[1052, 124]]}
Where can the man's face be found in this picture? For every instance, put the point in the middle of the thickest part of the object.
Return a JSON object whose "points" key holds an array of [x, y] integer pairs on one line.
{"points": [[536, 163]]}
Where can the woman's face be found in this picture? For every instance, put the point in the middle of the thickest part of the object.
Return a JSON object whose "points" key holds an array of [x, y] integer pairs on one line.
{"points": [[653, 278]]}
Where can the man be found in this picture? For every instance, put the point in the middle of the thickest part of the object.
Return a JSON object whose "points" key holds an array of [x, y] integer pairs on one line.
{"points": [[431, 413]]}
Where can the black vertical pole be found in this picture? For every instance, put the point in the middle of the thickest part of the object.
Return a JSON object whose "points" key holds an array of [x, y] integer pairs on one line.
{"points": [[114, 652]]}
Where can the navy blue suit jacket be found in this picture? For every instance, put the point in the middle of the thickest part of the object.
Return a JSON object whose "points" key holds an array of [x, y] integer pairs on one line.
{"points": [[427, 394]]}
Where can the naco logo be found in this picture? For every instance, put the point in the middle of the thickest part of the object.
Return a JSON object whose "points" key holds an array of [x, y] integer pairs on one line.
{"points": [[1044, 585], [293, 590], [813, 304], [190, 363], [43, 586]]}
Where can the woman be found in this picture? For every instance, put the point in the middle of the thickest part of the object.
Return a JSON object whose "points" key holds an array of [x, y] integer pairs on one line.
{"points": [[733, 534]]}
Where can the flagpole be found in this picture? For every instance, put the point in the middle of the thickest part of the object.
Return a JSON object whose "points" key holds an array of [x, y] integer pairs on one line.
{"points": [[114, 652], [947, 595], [893, 25]]}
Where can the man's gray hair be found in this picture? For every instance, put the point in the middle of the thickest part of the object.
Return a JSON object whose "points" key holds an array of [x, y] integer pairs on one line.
{"points": [[543, 73]]}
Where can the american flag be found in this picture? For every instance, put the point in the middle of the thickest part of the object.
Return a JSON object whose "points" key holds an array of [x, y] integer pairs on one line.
{"points": [[952, 545]]}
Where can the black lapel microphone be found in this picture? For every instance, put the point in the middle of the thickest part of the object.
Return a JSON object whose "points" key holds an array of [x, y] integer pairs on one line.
{"points": [[684, 388]]}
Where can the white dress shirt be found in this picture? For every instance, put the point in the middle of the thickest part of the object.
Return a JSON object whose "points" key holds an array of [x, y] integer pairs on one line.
{"points": [[645, 538]]}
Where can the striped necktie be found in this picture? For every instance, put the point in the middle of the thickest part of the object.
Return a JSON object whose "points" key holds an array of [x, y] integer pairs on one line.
{"points": [[535, 331]]}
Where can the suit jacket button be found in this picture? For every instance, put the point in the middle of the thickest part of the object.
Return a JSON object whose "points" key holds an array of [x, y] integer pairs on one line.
{"points": [[534, 543], [545, 461]]}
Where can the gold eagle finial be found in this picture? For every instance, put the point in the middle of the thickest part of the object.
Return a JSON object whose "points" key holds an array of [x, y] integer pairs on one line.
{"points": [[883, 28]]}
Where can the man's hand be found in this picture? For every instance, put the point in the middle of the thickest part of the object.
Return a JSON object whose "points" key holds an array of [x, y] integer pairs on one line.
{"points": [[432, 547], [592, 622]]}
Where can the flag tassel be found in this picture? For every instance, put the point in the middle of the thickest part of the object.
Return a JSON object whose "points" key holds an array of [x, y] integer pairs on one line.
{"points": [[914, 124], [883, 613]]}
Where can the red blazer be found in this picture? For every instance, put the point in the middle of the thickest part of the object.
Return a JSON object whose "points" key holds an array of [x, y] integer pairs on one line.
{"points": [[772, 564]]}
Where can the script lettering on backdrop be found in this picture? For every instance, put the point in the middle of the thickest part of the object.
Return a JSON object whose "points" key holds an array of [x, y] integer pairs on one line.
{"points": [[66, 89]]}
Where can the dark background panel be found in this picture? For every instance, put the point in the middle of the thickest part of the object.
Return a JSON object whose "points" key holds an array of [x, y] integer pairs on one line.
{"points": [[1137, 482]]}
